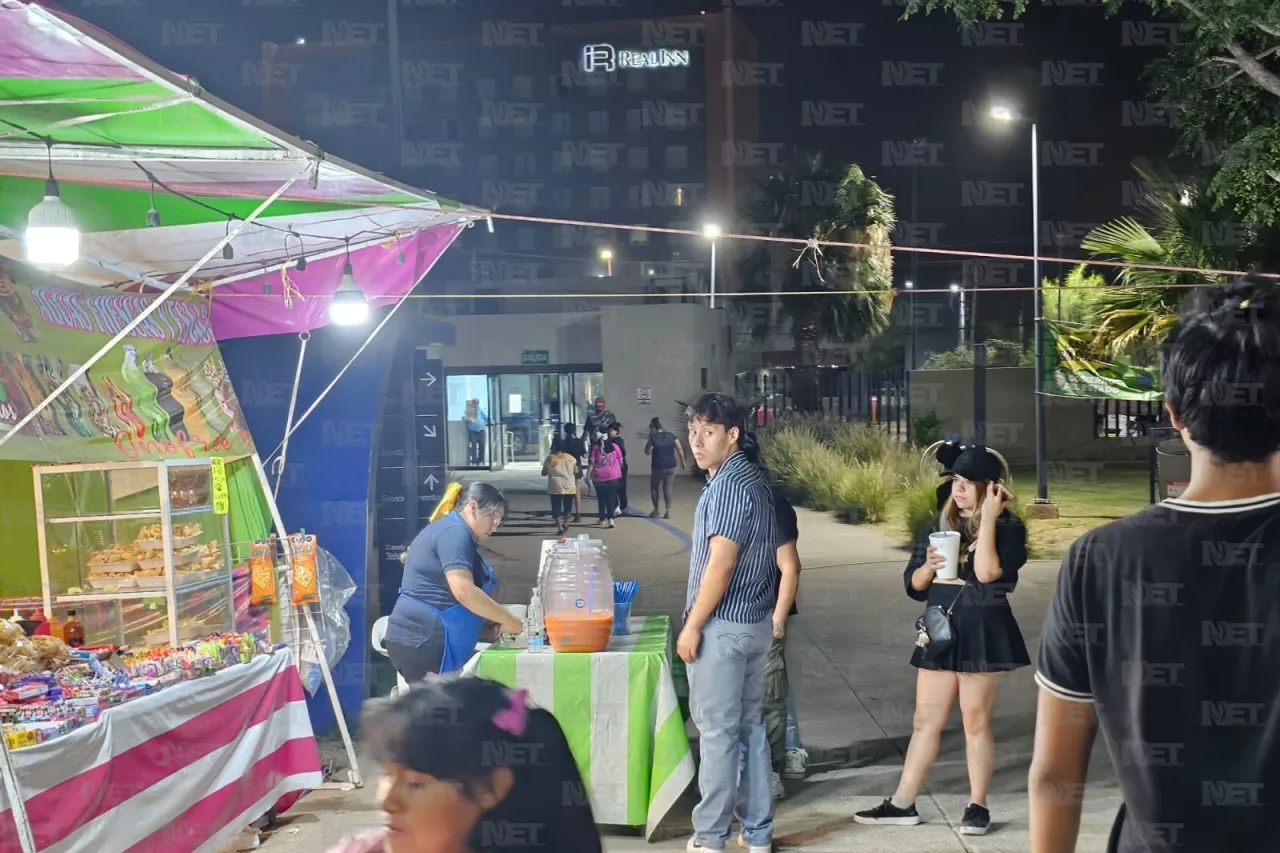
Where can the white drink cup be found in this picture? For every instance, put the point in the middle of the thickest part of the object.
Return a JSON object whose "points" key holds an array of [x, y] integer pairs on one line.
{"points": [[947, 543]]}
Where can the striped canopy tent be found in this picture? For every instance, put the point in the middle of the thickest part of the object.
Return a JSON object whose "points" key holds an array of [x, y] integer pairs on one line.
{"points": [[123, 136]]}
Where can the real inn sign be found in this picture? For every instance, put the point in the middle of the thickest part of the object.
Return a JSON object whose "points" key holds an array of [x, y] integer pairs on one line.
{"points": [[603, 57]]}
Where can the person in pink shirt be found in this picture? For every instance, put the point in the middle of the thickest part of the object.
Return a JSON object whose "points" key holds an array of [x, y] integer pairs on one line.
{"points": [[606, 473]]}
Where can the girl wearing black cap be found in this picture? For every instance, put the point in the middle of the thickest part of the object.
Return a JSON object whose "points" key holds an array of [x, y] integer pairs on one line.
{"points": [[987, 640]]}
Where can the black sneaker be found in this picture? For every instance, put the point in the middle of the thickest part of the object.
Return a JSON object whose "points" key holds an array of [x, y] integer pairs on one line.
{"points": [[977, 820], [887, 814]]}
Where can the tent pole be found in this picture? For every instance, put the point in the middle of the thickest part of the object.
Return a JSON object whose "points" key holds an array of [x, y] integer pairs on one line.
{"points": [[356, 778], [150, 309], [291, 430], [279, 464], [17, 806]]}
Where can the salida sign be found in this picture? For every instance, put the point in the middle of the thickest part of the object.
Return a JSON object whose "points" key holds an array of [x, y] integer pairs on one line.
{"points": [[163, 393]]}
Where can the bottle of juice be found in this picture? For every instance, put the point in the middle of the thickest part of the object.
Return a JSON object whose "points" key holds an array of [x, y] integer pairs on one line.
{"points": [[73, 631]]}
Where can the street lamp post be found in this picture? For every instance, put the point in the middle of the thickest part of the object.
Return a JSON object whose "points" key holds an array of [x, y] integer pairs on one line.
{"points": [[955, 288], [911, 360], [911, 306], [712, 231], [1003, 113], [606, 255]]}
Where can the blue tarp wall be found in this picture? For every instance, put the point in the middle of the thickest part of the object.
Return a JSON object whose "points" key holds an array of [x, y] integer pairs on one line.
{"points": [[326, 483]]}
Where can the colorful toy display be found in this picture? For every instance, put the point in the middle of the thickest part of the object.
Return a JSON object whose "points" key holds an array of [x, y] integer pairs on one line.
{"points": [[36, 706]]}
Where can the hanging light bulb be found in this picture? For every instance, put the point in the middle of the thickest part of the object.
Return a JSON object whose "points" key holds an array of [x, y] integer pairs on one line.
{"points": [[53, 237], [153, 215], [349, 307], [301, 265], [228, 253]]}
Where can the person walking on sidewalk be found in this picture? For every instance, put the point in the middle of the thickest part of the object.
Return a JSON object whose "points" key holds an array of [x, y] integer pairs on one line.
{"points": [[1161, 631], [576, 447], [668, 455], [728, 629], [597, 423], [606, 472], [615, 433], [985, 640], [561, 471]]}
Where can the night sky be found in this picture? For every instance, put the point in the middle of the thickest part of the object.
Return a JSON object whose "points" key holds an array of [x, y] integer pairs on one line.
{"points": [[1067, 64]]}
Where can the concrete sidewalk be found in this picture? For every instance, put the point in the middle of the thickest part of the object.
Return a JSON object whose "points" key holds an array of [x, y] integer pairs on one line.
{"points": [[847, 660]]}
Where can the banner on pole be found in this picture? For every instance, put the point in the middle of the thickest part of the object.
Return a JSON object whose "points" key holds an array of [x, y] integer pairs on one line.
{"points": [[164, 393], [1072, 369]]}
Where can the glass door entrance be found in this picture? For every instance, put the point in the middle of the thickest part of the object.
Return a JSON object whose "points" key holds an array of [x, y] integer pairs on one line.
{"points": [[529, 412], [496, 420]]}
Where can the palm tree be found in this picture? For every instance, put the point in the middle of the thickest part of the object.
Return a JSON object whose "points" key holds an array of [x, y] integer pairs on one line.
{"points": [[813, 285], [1180, 228]]}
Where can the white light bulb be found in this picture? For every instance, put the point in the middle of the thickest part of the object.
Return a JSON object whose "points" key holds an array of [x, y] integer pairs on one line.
{"points": [[53, 237]]}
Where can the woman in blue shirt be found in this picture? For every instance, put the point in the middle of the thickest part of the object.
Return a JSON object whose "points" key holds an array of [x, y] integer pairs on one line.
{"points": [[445, 598]]}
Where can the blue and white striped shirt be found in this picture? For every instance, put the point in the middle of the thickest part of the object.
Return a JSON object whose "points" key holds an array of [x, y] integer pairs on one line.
{"points": [[738, 505]]}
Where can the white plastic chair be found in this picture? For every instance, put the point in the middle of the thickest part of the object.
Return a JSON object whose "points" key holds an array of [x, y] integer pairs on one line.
{"points": [[377, 639]]}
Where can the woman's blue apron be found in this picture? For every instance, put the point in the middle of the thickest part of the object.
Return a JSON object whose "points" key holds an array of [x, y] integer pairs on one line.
{"points": [[461, 627]]}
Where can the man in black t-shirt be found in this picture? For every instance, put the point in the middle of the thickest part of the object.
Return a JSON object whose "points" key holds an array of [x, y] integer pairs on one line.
{"points": [[1162, 632]]}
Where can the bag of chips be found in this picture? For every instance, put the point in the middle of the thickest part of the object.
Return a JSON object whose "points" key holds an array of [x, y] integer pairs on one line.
{"points": [[302, 547], [262, 573]]}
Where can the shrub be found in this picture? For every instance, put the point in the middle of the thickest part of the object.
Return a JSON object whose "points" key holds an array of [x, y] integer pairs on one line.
{"points": [[863, 493], [860, 443], [926, 428], [919, 506]]}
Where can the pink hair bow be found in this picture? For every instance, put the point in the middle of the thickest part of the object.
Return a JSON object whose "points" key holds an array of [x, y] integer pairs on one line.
{"points": [[513, 718]]}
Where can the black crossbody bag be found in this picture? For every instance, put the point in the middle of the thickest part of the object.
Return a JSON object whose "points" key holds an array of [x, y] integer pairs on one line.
{"points": [[934, 631]]}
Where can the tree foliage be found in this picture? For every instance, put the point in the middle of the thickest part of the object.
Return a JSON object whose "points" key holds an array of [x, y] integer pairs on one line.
{"points": [[812, 283], [1221, 77]]}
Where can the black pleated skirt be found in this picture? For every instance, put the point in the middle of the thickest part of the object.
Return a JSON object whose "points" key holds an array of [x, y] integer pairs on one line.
{"points": [[988, 638]]}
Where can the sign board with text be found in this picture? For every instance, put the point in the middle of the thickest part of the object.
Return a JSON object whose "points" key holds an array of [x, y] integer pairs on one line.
{"points": [[535, 356], [605, 57], [162, 393]]}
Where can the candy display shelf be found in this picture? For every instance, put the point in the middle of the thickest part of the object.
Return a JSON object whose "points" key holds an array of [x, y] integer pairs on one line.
{"points": [[136, 549]]}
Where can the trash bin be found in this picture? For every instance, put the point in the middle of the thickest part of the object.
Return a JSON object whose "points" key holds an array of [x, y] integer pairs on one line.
{"points": [[1173, 466]]}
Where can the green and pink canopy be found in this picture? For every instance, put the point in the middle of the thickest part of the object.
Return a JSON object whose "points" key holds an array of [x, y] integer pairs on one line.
{"points": [[120, 131]]}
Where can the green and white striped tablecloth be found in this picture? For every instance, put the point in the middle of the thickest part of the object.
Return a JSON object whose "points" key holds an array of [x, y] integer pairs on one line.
{"points": [[619, 712]]}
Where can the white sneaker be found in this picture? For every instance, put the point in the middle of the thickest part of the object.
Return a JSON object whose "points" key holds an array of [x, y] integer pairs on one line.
{"points": [[765, 848], [776, 788], [796, 764], [695, 846]]}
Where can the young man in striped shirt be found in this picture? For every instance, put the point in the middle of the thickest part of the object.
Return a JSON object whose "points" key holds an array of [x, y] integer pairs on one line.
{"points": [[728, 629]]}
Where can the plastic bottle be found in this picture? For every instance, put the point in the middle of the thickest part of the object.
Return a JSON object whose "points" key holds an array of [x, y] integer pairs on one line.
{"points": [[534, 627]]}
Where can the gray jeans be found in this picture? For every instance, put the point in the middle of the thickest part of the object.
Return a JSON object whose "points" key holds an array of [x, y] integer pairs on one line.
{"points": [[726, 699], [661, 477]]}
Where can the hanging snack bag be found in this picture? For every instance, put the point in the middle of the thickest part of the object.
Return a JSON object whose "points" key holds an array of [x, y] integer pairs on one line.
{"points": [[305, 582], [262, 573]]}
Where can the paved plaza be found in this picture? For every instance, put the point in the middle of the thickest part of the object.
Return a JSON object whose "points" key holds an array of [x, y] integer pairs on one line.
{"points": [[847, 659]]}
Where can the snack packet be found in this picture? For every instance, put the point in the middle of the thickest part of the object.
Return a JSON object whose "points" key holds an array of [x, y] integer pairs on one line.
{"points": [[262, 573], [306, 590]]}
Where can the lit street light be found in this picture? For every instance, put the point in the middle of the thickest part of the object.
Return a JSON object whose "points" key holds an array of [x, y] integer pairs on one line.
{"points": [[955, 288], [1007, 114], [606, 255], [712, 231]]}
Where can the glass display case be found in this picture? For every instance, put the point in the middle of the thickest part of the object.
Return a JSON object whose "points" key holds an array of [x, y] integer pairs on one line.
{"points": [[135, 550]]}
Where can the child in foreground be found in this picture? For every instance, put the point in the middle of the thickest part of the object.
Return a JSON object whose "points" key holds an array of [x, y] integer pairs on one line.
{"points": [[468, 767]]}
